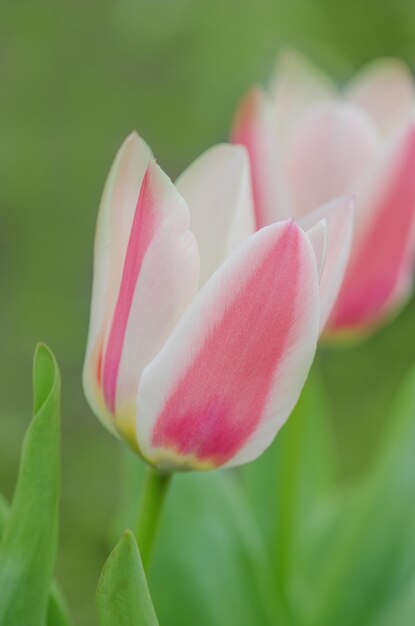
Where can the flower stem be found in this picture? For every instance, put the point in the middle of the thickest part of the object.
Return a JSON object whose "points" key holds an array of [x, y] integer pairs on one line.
{"points": [[151, 505]]}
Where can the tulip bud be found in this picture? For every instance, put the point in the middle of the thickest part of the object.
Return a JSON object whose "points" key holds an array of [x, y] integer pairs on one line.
{"points": [[202, 331]]}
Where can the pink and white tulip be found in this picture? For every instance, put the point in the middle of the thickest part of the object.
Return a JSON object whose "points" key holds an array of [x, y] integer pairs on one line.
{"points": [[309, 142], [202, 330]]}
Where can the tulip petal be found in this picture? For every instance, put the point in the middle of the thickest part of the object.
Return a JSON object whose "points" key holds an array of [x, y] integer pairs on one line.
{"points": [[218, 192], [317, 235], [295, 86], [380, 269], [331, 152], [232, 370], [338, 215], [114, 221], [254, 128], [386, 90], [159, 277]]}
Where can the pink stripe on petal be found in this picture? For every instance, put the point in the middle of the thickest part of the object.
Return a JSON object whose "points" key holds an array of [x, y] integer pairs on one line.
{"points": [[142, 230], [218, 402], [375, 269]]}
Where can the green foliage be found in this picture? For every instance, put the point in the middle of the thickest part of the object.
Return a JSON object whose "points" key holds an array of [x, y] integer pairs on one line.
{"points": [[4, 513], [297, 468], [28, 547], [57, 612], [210, 564], [123, 598], [292, 545], [366, 570], [343, 555], [401, 611], [288, 484]]}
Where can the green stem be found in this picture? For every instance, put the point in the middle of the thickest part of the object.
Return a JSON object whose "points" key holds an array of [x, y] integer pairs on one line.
{"points": [[151, 505]]}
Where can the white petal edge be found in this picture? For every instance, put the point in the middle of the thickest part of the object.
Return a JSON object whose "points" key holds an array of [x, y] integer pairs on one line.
{"points": [[338, 216], [317, 235]]}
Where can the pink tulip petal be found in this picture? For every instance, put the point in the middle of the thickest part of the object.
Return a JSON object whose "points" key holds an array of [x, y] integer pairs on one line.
{"points": [[116, 214], [159, 278], [145, 223], [380, 269], [217, 189], [254, 128], [114, 221], [386, 90], [296, 85], [231, 372], [332, 150], [338, 215]]}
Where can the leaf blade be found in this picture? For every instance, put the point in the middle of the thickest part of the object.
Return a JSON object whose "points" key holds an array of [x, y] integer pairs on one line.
{"points": [[369, 555], [287, 486], [28, 547], [58, 611], [123, 598]]}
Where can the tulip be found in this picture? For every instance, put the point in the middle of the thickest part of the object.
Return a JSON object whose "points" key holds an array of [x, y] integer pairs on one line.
{"points": [[202, 331], [309, 142]]}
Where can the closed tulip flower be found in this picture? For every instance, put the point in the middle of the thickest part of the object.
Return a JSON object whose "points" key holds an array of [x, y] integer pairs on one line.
{"points": [[202, 330], [309, 141]]}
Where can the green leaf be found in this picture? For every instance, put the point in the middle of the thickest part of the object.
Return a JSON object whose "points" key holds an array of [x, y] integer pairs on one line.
{"points": [[58, 612], [401, 611], [4, 514], [288, 484], [369, 550], [123, 598], [210, 564], [28, 547]]}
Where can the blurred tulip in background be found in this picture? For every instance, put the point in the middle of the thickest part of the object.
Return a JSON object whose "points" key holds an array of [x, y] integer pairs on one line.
{"points": [[309, 141]]}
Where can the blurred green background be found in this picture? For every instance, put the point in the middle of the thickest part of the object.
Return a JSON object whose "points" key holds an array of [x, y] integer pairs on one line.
{"points": [[75, 78]]}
